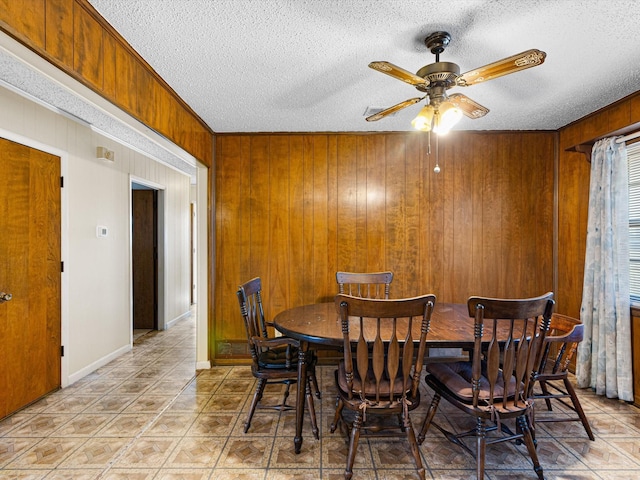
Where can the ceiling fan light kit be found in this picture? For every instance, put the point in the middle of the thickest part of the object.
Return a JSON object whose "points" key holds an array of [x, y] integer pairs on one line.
{"points": [[448, 116], [443, 111], [423, 119], [439, 120]]}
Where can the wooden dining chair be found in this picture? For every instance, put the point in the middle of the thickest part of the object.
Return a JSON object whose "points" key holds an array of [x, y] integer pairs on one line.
{"points": [[365, 285], [381, 378], [565, 333], [274, 360], [494, 385]]}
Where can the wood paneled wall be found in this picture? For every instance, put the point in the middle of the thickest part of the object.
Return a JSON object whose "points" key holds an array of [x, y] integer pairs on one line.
{"points": [[74, 37], [293, 209], [573, 193]]}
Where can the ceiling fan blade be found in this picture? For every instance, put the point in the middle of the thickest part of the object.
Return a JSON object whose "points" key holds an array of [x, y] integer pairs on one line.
{"points": [[399, 73], [515, 63], [469, 107], [390, 110]]}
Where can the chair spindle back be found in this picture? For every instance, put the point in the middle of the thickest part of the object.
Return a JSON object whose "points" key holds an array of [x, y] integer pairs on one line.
{"points": [[508, 364], [365, 285], [386, 343]]}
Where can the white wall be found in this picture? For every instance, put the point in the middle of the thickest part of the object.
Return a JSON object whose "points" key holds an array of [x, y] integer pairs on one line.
{"points": [[96, 284]]}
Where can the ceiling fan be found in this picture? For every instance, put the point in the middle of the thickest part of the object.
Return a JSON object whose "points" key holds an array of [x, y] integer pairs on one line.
{"points": [[443, 111]]}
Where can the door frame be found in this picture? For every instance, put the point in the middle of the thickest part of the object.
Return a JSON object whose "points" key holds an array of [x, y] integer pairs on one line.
{"points": [[161, 262], [64, 242]]}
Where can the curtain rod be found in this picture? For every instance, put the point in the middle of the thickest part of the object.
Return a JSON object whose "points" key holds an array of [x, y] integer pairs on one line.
{"points": [[631, 136]]}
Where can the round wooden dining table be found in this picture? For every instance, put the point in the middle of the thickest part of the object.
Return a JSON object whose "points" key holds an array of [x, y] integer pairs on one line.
{"points": [[319, 324]]}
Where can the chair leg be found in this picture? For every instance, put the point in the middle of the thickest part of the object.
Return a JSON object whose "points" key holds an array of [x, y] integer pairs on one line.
{"points": [[545, 391], [283, 406], [336, 416], [578, 407], [312, 410], [314, 379], [433, 408], [401, 423], [411, 437], [481, 447], [523, 423], [353, 444], [257, 396]]}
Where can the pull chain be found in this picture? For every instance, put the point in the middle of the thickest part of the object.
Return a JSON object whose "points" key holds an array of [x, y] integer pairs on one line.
{"points": [[436, 169]]}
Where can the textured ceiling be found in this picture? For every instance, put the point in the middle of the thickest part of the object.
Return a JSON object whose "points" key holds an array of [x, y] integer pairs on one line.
{"points": [[301, 65]]}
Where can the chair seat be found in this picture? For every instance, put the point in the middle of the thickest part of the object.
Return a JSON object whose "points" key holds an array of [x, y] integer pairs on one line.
{"points": [[547, 372], [456, 377], [276, 358], [370, 384]]}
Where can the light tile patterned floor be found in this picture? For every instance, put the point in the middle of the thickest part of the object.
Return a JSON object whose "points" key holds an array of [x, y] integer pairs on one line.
{"points": [[147, 415]]}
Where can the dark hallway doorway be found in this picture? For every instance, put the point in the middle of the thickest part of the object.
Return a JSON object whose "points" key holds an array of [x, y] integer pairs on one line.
{"points": [[144, 245]]}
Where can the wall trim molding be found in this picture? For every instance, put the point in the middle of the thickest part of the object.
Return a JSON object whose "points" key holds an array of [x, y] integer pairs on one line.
{"points": [[170, 323], [74, 377]]}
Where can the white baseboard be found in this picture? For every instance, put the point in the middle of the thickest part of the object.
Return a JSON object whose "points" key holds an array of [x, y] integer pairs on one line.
{"points": [[178, 318], [206, 365], [74, 377]]}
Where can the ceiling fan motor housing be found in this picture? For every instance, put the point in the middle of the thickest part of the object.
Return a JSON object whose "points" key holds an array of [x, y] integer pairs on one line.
{"points": [[444, 74]]}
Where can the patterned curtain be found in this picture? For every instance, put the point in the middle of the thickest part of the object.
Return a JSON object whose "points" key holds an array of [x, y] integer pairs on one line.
{"points": [[604, 357]]}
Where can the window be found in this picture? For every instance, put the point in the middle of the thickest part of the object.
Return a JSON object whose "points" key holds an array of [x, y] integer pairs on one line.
{"points": [[633, 154]]}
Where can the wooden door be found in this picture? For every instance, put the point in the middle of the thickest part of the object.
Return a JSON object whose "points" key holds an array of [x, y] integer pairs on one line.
{"points": [[144, 248], [30, 271]]}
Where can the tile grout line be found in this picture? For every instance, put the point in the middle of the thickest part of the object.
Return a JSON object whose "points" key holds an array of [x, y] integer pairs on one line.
{"points": [[125, 448]]}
